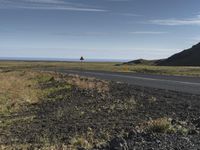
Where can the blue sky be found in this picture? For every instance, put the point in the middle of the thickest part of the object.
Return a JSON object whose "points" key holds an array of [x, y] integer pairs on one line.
{"points": [[103, 29]]}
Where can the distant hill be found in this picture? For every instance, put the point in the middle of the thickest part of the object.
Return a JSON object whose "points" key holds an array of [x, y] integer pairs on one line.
{"points": [[141, 62], [189, 57]]}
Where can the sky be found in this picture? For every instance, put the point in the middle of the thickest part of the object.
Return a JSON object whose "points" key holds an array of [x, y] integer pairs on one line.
{"points": [[98, 29]]}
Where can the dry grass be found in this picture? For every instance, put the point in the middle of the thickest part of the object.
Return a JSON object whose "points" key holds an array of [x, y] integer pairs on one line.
{"points": [[35, 147], [88, 83], [128, 104], [164, 125], [22, 88], [105, 66], [161, 125], [87, 140], [166, 70], [16, 89]]}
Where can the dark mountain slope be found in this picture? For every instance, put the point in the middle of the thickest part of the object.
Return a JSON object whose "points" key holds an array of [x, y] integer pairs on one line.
{"points": [[189, 57]]}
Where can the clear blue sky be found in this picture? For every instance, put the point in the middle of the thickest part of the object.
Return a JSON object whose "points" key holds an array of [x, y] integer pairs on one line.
{"points": [[117, 29]]}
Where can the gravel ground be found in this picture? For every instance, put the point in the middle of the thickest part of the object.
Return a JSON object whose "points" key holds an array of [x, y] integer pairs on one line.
{"points": [[121, 110]]}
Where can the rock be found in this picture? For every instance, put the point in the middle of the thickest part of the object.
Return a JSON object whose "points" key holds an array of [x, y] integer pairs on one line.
{"points": [[197, 122], [192, 132], [158, 141], [81, 148], [173, 121], [132, 134], [118, 143], [149, 137]]}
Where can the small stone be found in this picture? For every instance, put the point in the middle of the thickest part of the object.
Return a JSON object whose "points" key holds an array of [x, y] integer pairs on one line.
{"points": [[118, 143], [132, 134], [192, 132], [197, 122], [158, 141], [173, 121], [81, 148]]}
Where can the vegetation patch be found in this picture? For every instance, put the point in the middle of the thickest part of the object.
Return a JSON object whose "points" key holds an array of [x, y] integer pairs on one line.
{"points": [[19, 89], [86, 141], [88, 83], [164, 125]]}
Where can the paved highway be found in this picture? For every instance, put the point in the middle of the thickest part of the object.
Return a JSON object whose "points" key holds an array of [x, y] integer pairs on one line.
{"points": [[174, 83]]}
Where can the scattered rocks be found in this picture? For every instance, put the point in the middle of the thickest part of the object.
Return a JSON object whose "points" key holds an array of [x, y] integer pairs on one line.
{"points": [[151, 142]]}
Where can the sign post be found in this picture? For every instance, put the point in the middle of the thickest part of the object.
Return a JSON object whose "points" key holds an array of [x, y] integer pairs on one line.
{"points": [[81, 59]]}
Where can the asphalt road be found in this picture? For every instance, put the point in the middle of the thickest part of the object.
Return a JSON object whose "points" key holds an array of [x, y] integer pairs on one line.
{"points": [[174, 83]]}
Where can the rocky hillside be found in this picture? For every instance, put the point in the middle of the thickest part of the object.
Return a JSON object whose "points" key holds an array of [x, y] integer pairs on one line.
{"points": [[189, 57]]}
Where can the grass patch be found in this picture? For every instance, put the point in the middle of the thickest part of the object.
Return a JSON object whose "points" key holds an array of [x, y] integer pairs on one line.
{"points": [[88, 83], [19, 89], [8, 122], [16, 89], [87, 140], [164, 125], [104, 66]]}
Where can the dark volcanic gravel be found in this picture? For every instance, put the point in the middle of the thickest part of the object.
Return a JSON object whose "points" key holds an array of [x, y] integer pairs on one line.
{"points": [[124, 108]]}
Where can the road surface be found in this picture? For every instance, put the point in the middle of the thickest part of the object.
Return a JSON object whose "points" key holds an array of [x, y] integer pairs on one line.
{"points": [[174, 83]]}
